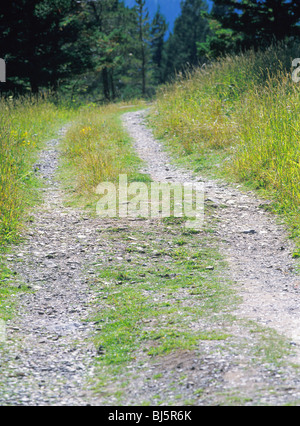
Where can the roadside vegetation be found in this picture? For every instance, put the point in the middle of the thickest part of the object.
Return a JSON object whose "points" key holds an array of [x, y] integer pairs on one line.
{"points": [[239, 118]]}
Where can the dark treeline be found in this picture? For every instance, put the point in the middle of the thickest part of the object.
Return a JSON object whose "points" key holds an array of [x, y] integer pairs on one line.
{"points": [[99, 49], [103, 50]]}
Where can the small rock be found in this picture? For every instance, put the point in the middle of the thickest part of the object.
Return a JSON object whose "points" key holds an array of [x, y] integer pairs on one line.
{"points": [[50, 255], [101, 350], [249, 231]]}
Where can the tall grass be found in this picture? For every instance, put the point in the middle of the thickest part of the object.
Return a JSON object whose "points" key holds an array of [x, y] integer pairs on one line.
{"points": [[246, 107]]}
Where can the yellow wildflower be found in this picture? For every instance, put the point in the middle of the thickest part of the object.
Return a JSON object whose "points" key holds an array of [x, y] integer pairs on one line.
{"points": [[85, 130]]}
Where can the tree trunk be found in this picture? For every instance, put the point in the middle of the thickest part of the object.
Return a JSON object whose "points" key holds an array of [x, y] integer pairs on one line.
{"points": [[112, 85], [34, 84], [143, 71]]}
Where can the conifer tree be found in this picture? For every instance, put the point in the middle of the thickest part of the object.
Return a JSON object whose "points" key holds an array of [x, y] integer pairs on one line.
{"points": [[104, 21], [190, 28], [35, 40], [158, 31], [143, 38], [260, 22]]}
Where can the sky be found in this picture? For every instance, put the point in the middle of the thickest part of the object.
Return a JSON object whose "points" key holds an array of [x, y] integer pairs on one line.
{"points": [[169, 8]]}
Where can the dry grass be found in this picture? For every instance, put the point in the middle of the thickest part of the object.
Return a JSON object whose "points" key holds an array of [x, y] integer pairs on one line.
{"points": [[98, 149]]}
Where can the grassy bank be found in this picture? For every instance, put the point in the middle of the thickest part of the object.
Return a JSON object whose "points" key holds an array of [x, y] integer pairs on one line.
{"points": [[25, 126], [239, 118]]}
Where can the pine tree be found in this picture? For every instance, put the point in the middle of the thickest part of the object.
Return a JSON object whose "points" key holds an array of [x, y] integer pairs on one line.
{"points": [[190, 28], [158, 31], [105, 22], [143, 38], [219, 40], [82, 47], [260, 22], [36, 36]]}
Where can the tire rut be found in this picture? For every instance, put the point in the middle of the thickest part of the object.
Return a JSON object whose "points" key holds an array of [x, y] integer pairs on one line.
{"points": [[47, 359]]}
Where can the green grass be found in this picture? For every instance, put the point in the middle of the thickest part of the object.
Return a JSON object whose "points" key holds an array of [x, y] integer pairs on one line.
{"points": [[239, 118], [157, 298], [149, 305]]}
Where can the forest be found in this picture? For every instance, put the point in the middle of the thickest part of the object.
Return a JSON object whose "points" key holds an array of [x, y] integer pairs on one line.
{"points": [[103, 50]]}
